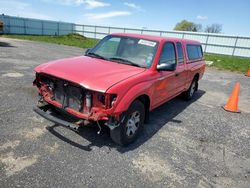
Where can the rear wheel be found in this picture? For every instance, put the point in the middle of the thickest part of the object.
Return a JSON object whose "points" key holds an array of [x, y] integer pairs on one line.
{"points": [[130, 128], [191, 90]]}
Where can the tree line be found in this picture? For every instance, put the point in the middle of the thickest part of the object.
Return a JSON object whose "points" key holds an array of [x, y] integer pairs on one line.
{"points": [[185, 25]]}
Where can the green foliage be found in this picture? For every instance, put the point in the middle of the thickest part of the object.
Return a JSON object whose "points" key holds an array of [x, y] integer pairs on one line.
{"points": [[229, 62], [70, 39], [185, 25]]}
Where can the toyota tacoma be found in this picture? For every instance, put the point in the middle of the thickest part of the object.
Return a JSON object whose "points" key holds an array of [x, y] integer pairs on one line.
{"points": [[118, 82]]}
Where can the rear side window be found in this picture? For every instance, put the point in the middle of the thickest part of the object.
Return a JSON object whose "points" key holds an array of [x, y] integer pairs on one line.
{"points": [[194, 52], [168, 55], [180, 53]]}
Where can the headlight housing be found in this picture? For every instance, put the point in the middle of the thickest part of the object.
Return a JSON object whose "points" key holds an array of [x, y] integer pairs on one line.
{"points": [[107, 99]]}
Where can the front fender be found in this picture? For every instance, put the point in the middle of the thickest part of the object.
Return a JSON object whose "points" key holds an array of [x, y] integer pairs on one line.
{"points": [[131, 95]]}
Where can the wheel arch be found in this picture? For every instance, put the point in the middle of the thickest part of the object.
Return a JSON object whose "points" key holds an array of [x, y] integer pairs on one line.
{"points": [[139, 92], [196, 77], [145, 100]]}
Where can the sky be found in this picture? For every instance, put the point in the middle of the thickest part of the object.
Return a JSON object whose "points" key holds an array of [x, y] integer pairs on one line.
{"points": [[233, 15]]}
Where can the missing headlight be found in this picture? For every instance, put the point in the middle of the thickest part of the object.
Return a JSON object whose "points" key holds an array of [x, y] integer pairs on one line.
{"points": [[101, 98]]}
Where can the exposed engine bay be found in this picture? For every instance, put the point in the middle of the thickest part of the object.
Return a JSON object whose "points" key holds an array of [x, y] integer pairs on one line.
{"points": [[73, 99]]}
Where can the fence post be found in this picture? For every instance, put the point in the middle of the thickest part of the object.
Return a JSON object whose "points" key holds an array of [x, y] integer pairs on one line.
{"points": [[58, 28], [95, 31], [83, 30], [109, 30], [160, 33], [9, 25], [1, 19], [24, 26], [42, 28], [124, 30], [235, 44], [183, 35], [205, 50]]}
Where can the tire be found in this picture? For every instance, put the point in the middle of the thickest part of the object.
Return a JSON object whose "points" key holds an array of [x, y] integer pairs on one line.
{"points": [[188, 95], [128, 131]]}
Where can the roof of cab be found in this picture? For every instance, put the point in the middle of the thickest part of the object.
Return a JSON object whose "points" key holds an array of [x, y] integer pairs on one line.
{"points": [[156, 38]]}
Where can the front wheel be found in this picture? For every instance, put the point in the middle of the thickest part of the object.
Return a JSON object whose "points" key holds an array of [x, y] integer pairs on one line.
{"points": [[128, 131]]}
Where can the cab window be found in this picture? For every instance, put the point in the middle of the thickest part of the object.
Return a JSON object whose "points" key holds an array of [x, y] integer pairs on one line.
{"points": [[180, 53], [168, 55], [194, 52]]}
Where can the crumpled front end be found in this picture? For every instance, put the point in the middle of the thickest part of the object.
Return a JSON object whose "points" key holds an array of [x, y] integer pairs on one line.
{"points": [[72, 99]]}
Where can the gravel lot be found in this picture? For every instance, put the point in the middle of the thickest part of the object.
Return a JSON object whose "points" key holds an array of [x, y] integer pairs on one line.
{"points": [[185, 144]]}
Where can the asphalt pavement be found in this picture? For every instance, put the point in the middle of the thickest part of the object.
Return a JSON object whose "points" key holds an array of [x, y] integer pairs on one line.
{"points": [[185, 144]]}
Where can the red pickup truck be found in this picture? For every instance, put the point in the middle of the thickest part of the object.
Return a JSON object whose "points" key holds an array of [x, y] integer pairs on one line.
{"points": [[118, 82]]}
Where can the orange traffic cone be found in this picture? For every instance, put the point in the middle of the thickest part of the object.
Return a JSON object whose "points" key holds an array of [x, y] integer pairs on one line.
{"points": [[232, 103], [248, 72]]}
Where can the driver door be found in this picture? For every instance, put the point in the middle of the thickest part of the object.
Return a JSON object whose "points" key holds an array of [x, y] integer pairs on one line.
{"points": [[165, 86]]}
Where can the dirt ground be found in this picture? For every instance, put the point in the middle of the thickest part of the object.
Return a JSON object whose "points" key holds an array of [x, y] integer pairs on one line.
{"points": [[185, 144]]}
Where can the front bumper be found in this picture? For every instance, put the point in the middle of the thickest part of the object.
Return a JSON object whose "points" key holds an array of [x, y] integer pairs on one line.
{"points": [[51, 116]]}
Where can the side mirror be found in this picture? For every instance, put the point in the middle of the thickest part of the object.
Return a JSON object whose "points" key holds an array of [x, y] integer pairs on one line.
{"points": [[87, 51], [166, 67]]}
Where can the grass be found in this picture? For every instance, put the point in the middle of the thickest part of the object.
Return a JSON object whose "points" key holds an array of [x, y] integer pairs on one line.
{"points": [[220, 61], [230, 63], [70, 39]]}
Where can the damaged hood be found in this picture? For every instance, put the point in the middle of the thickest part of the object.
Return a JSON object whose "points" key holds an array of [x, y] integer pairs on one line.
{"points": [[91, 73]]}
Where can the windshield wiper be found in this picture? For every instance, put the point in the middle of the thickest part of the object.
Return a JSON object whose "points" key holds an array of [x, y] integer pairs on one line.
{"points": [[91, 54], [124, 61]]}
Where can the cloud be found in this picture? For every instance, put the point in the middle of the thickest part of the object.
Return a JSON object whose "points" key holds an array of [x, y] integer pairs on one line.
{"points": [[100, 16], [132, 5], [17, 8], [199, 17], [89, 4], [17, 4]]}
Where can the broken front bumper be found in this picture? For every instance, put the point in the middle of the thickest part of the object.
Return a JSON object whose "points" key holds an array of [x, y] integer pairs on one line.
{"points": [[51, 116]]}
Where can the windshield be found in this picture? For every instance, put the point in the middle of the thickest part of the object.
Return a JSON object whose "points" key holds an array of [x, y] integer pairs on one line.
{"points": [[125, 50]]}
